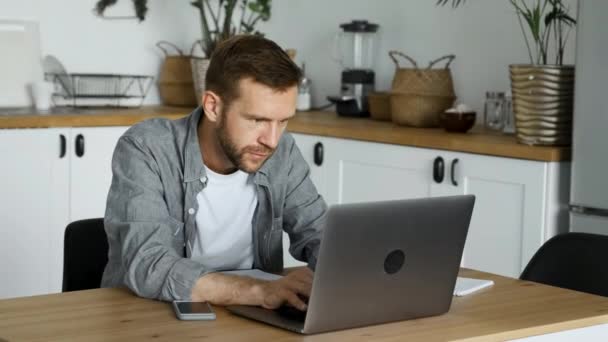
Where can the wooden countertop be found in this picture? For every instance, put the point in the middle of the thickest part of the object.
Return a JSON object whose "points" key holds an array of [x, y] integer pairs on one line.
{"points": [[508, 310], [318, 123]]}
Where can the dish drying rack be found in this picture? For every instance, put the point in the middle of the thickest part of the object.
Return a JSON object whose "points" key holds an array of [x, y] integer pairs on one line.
{"points": [[99, 90]]}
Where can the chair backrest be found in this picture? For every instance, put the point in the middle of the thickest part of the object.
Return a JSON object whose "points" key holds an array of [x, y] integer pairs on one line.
{"points": [[576, 261], [85, 255]]}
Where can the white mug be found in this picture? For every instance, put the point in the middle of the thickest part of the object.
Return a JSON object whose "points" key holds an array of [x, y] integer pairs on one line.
{"points": [[42, 93]]}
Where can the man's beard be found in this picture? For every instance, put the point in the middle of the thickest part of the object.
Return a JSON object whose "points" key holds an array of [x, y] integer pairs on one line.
{"points": [[232, 152]]}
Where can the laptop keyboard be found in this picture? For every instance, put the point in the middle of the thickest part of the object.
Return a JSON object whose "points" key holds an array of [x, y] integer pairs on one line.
{"points": [[291, 313]]}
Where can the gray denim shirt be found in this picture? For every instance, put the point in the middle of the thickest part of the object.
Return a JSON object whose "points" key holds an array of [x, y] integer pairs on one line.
{"points": [[150, 214]]}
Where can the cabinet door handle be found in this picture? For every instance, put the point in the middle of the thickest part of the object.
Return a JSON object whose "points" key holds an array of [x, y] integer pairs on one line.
{"points": [[62, 146], [79, 145], [318, 157], [453, 167], [438, 170]]}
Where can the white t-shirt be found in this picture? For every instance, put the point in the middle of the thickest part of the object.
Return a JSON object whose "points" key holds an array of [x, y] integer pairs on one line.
{"points": [[224, 239]]}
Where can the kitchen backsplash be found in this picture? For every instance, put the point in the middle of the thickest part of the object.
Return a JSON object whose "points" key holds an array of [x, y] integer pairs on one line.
{"points": [[484, 35]]}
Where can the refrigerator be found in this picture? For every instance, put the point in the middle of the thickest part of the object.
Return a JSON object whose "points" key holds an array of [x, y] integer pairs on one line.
{"points": [[589, 182]]}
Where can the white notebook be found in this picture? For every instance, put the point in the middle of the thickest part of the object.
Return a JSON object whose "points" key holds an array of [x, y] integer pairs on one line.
{"points": [[465, 286]]}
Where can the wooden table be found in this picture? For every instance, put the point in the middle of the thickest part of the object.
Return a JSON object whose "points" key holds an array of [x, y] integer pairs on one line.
{"points": [[510, 309]]}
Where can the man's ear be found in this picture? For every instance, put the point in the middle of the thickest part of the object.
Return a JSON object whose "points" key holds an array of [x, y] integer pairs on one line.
{"points": [[212, 105]]}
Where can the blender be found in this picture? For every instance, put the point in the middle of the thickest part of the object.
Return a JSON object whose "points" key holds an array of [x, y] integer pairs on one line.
{"points": [[354, 49]]}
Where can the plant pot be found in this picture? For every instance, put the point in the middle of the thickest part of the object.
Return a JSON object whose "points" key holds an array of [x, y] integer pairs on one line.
{"points": [[543, 102], [199, 71]]}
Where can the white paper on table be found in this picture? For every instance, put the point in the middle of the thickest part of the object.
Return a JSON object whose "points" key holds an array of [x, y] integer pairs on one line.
{"points": [[254, 273], [465, 286]]}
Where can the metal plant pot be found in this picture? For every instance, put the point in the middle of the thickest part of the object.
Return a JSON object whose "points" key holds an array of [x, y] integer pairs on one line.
{"points": [[199, 70], [543, 98]]}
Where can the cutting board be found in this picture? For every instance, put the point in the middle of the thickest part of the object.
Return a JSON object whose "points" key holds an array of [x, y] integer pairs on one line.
{"points": [[20, 61]]}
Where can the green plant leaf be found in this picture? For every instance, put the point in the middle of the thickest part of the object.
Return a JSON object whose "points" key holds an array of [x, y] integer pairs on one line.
{"points": [[101, 6], [196, 4], [141, 9], [455, 3]]}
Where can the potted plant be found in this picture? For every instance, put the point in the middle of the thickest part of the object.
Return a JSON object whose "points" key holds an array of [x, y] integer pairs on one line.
{"points": [[543, 91], [219, 19]]}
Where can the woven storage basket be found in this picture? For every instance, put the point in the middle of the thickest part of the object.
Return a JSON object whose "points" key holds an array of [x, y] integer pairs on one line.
{"points": [[419, 95], [175, 85], [419, 110]]}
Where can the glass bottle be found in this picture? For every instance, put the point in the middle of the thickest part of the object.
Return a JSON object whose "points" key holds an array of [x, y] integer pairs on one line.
{"points": [[494, 110], [509, 116], [303, 100]]}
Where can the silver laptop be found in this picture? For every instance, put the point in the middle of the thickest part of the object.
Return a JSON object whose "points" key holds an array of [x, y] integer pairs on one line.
{"points": [[381, 262]]}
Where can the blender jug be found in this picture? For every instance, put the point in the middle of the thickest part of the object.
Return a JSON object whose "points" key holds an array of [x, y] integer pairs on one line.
{"points": [[354, 49], [354, 46]]}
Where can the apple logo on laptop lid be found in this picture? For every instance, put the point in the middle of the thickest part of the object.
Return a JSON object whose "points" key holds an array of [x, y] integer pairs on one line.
{"points": [[394, 261]]}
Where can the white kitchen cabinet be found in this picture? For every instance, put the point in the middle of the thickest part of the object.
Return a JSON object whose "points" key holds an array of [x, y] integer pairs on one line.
{"points": [[519, 203], [91, 172], [45, 186], [34, 179], [366, 171]]}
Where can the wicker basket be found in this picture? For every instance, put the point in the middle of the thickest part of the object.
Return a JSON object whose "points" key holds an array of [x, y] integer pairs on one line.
{"points": [[379, 106], [175, 85], [419, 110], [419, 95]]}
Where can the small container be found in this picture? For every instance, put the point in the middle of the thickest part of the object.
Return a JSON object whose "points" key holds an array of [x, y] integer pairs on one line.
{"points": [[494, 110], [509, 115], [303, 100], [380, 105], [459, 122], [42, 93]]}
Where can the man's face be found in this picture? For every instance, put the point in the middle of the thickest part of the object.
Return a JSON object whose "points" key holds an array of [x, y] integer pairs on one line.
{"points": [[250, 129]]}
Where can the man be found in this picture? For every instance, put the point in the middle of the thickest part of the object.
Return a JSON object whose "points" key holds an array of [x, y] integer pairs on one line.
{"points": [[215, 190]]}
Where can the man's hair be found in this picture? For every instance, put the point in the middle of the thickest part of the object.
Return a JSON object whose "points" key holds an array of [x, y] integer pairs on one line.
{"points": [[249, 56]]}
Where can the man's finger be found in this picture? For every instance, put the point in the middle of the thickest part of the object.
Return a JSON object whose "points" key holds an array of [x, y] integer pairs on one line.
{"points": [[295, 301], [300, 287]]}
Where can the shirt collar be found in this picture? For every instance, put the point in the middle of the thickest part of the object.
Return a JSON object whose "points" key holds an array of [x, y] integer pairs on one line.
{"points": [[194, 169]]}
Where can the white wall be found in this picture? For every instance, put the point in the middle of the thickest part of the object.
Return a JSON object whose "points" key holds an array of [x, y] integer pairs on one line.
{"points": [[484, 35]]}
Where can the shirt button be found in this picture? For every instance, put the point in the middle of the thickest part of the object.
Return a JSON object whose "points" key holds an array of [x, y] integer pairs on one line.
{"points": [[191, 211]]}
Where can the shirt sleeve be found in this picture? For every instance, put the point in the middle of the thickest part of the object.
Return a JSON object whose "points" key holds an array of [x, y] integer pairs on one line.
{"points": [[141, 232], [304, 211]]}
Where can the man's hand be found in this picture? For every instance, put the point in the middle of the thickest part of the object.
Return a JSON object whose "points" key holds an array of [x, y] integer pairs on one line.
{"points": [[287, 290], [224, 289]]}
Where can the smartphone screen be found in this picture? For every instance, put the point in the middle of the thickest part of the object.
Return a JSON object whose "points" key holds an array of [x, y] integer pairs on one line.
{"points": [[193, 310], [193, 307]]}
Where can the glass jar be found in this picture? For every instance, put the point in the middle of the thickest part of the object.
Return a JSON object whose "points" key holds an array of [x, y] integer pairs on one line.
{"points": [[304, 97], [493, 110], [509, 116]]}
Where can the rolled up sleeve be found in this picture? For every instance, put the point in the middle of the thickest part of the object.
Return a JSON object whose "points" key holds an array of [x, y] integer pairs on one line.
{"points": [[304, 211], [146, 243]]}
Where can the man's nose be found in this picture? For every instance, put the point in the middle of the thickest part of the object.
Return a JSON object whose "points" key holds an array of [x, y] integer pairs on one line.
{"points": [[271, 135]]}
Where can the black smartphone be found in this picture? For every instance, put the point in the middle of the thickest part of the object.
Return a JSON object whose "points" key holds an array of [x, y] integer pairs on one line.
{"points": [[190, 311]]}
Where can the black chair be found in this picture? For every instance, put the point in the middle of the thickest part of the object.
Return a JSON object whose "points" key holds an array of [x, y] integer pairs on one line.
{"points": [[85, 255], [576, 261]]}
